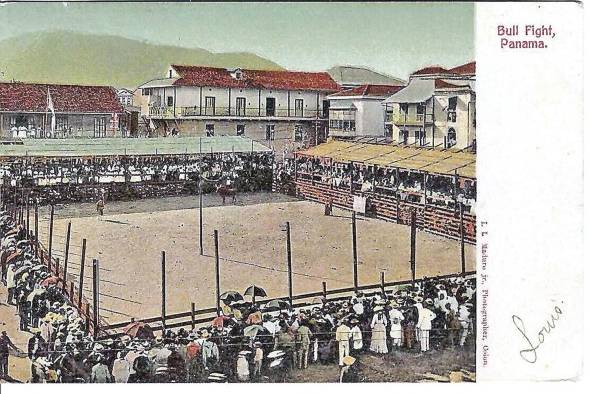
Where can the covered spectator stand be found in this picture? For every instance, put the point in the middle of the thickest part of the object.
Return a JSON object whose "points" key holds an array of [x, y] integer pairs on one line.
{"points": [[438, 184], [66, 170]]}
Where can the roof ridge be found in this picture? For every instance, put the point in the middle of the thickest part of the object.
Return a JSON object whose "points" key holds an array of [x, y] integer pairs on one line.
{"points": [[226, 69], [55, 84]]}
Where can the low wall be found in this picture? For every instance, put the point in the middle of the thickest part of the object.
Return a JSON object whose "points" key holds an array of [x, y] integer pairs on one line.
{"points": [[431, 218]]}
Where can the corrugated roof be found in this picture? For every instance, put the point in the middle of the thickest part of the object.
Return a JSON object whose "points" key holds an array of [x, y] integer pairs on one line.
{"points": [[417, 91], [355, 75], [438, 161], [129, 146]]}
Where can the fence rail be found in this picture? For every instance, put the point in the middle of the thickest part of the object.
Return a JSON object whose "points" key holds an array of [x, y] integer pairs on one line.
{"points": [[247, 112], [341, 294]]}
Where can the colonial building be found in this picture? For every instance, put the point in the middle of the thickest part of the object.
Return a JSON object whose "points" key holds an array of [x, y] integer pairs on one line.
{"points": [[437, 108], [282, 109], [358, 112], [30, 110]]}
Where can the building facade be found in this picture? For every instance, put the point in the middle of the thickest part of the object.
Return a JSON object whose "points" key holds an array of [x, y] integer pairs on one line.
{"points": [[436, 108], [358, 112], [125, 96], [282, 109], [29, 110]]}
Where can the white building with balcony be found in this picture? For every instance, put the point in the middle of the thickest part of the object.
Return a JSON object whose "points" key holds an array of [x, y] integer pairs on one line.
{"points": [[436, 109], [358, 112], [283, 109]]}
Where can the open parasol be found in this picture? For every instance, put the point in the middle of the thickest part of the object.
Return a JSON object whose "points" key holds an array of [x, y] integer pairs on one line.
{"points": [[277, 304], [50, 281], [252, 331], [231, 296], [219, 321], [255, 291], [139, 330], [13, 256]]}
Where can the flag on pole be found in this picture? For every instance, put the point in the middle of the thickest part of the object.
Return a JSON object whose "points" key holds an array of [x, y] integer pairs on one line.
{"points": [[52, 110]]}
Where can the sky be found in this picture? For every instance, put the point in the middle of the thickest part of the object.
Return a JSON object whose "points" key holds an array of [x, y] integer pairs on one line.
{"points": [[394, 38]]}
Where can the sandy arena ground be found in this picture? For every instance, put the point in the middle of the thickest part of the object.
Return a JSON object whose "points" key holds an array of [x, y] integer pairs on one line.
{"points": [[251, 246]]}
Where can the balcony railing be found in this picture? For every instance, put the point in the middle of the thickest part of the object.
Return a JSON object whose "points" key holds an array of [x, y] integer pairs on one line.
{"points": [[399, 118], [248, 112]]}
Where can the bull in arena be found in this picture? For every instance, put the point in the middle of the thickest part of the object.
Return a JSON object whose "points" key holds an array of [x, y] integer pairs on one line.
{"points": [[227, 191]]}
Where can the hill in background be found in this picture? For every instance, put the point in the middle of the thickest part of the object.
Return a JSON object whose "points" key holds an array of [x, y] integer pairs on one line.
{"points": [[78, 58]]}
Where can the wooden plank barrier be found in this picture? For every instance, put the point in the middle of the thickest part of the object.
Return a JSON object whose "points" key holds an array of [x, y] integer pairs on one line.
{"points": [[430, 218]]}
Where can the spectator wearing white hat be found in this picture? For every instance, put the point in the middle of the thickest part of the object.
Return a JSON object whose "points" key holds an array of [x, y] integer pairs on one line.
{"points": [[121, 369], [343, 340], [395, 318], [379, 331], [425, 318]]}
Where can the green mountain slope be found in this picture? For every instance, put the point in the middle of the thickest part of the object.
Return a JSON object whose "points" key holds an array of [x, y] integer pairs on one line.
{"points": [[69, 57]]}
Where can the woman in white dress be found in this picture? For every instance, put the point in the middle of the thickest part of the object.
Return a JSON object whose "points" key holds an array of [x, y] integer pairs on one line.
{"points": [[378, 333]]}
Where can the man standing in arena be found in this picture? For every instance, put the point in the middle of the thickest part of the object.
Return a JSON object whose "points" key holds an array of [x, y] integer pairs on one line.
{"points": [[5, 344], [100, 206]]}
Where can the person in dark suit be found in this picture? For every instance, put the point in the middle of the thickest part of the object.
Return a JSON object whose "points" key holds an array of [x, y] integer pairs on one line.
{"points": [[37, 346], [5, 345]]}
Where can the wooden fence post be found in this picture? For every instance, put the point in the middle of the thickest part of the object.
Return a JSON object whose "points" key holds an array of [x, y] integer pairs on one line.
{"points": [[200, 217], [354, 253], [163, 290], [383, 282], [95, 295], [192, 315], [413, 245], [36, 229], [87, 313], [81, 278], [325, 289], [28, 217], [67, 252], [217, 280], [50, 233], [289, 264], [462, 235]]}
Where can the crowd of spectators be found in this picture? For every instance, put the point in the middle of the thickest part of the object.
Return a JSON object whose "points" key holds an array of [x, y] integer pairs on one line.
{"points": [[408, 185], [244, 172], [248, 341]]}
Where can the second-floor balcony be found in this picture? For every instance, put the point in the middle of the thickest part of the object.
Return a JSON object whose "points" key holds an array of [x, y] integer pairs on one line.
{"points": [[223, 112], [401, 118]]}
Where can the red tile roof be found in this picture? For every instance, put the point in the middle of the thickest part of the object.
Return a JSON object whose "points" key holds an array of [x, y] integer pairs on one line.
{"points": [[431, 70], [32, 97], [464, 69], [256, 79], [370, 90]]}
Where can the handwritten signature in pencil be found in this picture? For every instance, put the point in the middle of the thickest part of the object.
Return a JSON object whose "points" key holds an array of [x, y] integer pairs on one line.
{"points": [[530, 354]]}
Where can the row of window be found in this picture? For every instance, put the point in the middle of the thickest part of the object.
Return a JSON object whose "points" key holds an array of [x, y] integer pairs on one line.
{"points": [[62, 123], [346, 125], [269, 135], [210, 107], [420, 137], [126, 100]]}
